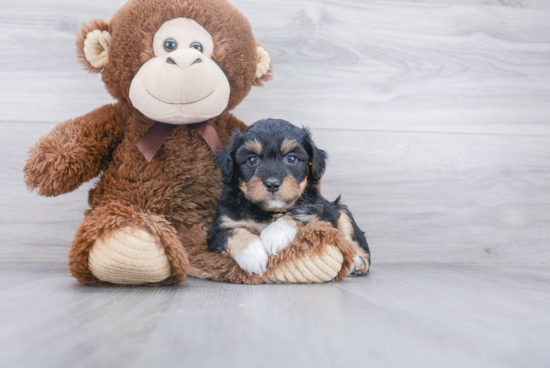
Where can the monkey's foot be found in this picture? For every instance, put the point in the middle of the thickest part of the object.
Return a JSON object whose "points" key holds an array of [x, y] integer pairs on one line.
{"points": [[129, 256]]}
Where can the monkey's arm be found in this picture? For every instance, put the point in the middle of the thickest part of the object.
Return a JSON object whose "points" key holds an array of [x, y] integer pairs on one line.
{"points": [[74, 151]]}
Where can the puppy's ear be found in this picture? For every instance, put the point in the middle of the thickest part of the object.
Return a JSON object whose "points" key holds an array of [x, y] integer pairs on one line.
{"points": [[224, 159], [225, 164], [318, 163], [318, 157]]}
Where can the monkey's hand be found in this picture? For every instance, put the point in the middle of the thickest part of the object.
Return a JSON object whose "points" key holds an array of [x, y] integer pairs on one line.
{"points": [[73, 152]]}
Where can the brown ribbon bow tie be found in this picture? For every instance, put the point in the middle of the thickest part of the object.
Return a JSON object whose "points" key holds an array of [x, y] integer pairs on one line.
{"points": [[153, 139]]}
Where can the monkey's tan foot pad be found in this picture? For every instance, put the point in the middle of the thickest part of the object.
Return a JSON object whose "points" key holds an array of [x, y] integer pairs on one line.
{"points": [[129, 256], [314, 269]]}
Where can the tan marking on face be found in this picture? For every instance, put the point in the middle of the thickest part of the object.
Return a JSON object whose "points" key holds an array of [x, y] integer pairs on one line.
{"points": [[288, 145], [254, 146], [244, 188], [289, 193], [290, 190], [255, 190], [239, 241], [252, 226]]}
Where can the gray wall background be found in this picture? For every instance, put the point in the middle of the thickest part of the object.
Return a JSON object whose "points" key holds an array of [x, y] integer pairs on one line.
{"points": [[436, 115]]}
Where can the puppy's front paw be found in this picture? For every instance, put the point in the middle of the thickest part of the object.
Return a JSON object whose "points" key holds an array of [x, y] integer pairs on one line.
{"points": [[277, 236], [253, 258]]}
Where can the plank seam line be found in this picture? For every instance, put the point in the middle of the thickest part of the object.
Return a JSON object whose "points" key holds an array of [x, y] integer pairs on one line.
{"points": [[542, 135]]}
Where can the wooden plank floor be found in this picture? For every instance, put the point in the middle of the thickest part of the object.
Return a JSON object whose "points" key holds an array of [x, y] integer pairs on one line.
{"points": [[436, 114], [414, 315]]}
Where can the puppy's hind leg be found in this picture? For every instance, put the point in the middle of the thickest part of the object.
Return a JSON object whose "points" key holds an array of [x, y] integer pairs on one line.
{"points": [[361, 258]]}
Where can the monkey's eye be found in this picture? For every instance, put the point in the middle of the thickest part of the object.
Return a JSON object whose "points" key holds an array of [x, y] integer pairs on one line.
{"points": [[253, 160], [291, 159], [170, 45], [196, 46]]}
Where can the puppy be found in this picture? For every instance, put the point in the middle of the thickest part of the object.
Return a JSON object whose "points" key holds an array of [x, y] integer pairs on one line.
{"points": [[271, 175]]}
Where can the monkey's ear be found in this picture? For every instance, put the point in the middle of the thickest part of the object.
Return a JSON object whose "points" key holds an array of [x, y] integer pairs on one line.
{"points": [[318, 157], [224, 159], [263, 68], [92, 45]]}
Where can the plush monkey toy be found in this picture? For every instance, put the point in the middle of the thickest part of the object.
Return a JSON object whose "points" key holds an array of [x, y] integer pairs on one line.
{"points": [[176, 69]]}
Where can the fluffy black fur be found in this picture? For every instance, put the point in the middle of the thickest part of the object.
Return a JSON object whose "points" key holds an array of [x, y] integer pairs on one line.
{"points": [[235, 165]]}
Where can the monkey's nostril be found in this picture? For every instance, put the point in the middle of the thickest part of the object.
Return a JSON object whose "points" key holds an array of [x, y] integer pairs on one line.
{"points": [[169, 60], [199, 60]]}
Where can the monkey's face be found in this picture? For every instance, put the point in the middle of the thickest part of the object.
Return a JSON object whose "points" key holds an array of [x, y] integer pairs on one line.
{"points": [[181, 84], [177, 62]]}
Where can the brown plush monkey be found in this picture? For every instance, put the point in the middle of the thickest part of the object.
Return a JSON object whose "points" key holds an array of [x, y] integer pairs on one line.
{"points": [[176, 68]]}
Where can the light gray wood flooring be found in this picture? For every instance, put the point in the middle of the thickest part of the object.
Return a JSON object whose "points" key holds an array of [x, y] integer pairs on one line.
{"points": [[402, 315], [436, 115]]}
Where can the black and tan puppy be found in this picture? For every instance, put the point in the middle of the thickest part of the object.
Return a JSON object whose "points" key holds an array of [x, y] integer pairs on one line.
{"points": [[271, 178]]}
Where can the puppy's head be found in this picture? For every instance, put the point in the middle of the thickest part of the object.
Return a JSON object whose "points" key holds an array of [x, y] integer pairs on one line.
{"points": [[272, 162]]}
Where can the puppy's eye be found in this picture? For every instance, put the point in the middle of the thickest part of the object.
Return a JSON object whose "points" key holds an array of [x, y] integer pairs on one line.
{"points": [[196, 46], [253, 160], [291, 159], [170, 45]]}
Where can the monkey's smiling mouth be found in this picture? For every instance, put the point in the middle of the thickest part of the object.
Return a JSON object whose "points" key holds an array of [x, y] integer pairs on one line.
{"points": [[183, 103]]}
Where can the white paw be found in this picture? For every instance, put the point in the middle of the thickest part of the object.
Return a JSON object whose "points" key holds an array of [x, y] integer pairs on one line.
{"points": [[359, 266], [277, 236], [253, 259]]}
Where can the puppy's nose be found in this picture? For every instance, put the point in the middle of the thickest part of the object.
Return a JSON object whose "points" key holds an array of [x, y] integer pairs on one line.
{"points": [[273, 185]]}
